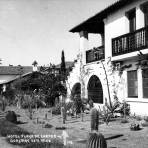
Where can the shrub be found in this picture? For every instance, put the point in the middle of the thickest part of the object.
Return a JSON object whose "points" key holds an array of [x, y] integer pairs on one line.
{"points": [[144, 124], [78, 104], [105, 114], [124, 107], [91, 103], [57, 109], [146, 118], [138, 118], [69, 105], [135, 127], [26, 101], [47, 125], [11, 116], [124, 121], [9, 128], [60, 128], [3, 103]]}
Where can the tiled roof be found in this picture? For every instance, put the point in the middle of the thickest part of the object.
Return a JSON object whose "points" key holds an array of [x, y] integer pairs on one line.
{"points": [[15, 70], [98, 18]]}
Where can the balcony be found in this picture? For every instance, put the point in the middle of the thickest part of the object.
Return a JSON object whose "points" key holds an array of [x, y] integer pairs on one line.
{"points": [[95, 54], [130, 42]]}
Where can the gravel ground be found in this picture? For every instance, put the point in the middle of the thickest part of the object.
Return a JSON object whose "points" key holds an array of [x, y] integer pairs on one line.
{"points": [[118, 134]]}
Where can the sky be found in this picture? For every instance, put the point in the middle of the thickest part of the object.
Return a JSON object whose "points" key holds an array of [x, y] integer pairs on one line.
{"points": [[39, 29]]}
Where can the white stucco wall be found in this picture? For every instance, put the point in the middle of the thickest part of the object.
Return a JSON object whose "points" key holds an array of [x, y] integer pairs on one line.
{"points": [[138, 104], [117, 24]]}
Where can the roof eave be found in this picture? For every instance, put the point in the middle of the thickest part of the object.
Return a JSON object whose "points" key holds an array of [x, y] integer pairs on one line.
{"points": [[99, 17]]}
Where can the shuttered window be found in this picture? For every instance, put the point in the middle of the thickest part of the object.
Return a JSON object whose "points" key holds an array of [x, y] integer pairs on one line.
{"points": [[132, 83], [145, 82]]}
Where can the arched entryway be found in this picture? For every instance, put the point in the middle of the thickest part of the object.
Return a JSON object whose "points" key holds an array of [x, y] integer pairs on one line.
{"points": [[76, 90], [95, 91]]}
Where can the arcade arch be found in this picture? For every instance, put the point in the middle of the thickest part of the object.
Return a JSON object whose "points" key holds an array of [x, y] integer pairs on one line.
{"points": [[94, 88]]}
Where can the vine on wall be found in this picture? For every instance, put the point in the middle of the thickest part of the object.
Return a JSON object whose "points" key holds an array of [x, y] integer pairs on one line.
{"points": [[142, 60]]}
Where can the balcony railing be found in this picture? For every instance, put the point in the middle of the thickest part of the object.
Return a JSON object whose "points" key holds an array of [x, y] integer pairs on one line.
{"points": [[95, 54], [130, 42]]}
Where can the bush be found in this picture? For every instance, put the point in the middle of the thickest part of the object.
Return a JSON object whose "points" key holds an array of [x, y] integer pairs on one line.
{"points": [[91, 103], [47, 125], [78, 104], [146, 118], [121, 108], [144, 124], [3, 103], [9, 128], [138, 118], [124, 121], [11, 116], [57, 109], [135, 127], [28, 99]]}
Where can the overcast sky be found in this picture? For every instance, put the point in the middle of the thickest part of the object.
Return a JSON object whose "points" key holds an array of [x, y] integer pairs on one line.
{"points": [[39, 29]]}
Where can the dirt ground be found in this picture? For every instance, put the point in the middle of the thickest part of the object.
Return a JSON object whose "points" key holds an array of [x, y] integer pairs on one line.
{"points": [[118, 134]]}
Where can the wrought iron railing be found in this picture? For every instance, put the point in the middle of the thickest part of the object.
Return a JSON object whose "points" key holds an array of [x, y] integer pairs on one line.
{"points": [[95, 54], [130, 42]]}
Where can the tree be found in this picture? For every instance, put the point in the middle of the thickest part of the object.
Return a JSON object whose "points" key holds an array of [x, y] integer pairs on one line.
{"points": [[48, 83], [29, 82], [35, 63], [63, 67], [52, 87]]}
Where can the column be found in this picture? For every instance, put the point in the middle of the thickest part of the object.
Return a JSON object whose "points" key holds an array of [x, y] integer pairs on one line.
{"points": [[83, 45], [139, 18], [140, 90], [102, 39]]}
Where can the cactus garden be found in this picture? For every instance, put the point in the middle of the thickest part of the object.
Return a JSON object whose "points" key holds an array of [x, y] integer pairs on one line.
{"points": [[38, 115], [92, 132]]}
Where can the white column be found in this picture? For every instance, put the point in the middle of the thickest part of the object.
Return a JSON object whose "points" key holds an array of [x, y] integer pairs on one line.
{"points": [[125, 84], [83, 45], [140, 91], [139, 18], [102, 39]]}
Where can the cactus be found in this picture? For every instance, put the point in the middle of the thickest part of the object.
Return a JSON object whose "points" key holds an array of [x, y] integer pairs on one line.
{"points": [[94, 115], [96, 140], [63, 114]]}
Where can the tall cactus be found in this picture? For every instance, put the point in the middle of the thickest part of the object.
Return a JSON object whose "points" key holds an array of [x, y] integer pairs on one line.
{"points": [[63, 114], [96, 140], [94, 115]]}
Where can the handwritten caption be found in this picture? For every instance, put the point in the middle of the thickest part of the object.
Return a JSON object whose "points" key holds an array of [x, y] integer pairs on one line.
{"points": [[32, 138]]}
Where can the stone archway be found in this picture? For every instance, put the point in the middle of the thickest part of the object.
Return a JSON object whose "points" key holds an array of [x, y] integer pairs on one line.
{"points": [[76, 89], [95, 91]]}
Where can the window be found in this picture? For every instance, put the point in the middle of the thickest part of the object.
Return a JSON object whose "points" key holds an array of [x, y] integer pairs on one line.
{"points": [[132, 19], [145, 82], [145, 11], [132, 83]]}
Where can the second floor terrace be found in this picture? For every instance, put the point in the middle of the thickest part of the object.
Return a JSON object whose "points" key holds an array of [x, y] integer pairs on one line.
{"points": [[130, 42], [95, 54], [123, 27]]}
